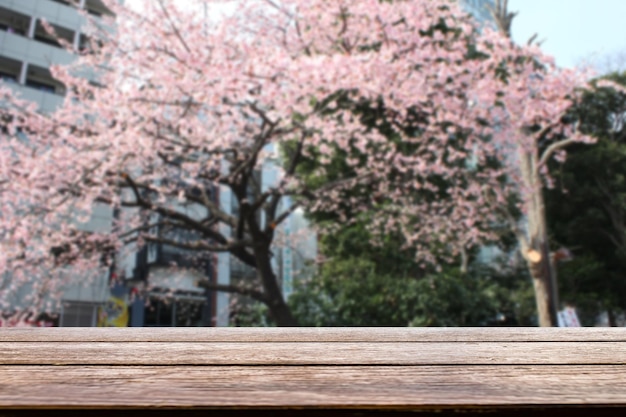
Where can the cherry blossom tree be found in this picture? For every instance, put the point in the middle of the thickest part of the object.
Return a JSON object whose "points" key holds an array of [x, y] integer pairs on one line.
{"points": [[171, 108]]}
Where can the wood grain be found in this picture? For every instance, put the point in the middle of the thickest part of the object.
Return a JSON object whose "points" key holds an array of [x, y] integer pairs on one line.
{"points": [[363, 370], [363, 334], [309, 353], [306, 386]]}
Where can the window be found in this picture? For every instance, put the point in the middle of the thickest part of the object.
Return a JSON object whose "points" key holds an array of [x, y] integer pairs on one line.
{"points": [[40, 86], [11, 29], [41, 79], [176, 311], [43, 36], [10, 69], [96, 8], [78, 314], [13, 22]]}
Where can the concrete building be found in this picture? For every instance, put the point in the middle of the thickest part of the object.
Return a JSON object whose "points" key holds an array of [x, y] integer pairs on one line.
{"points": [[26, 52]]}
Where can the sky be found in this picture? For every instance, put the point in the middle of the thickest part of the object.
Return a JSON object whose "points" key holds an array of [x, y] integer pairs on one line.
{"points": [[573, 30]]}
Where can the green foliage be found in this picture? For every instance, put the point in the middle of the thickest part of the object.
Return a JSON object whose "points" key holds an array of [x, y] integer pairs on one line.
{"points": [[587, 210], [350, 293], [367, 285], [387, 256], [584, 284]]}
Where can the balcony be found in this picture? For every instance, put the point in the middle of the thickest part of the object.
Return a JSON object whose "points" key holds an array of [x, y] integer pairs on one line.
{"points": [[43, 36], [14, 22], [10, 70], [40, 79], [97, 8]]}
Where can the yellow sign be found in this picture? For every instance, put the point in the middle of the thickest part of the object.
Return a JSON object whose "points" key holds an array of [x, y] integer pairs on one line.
{"points": [[113, 314]]}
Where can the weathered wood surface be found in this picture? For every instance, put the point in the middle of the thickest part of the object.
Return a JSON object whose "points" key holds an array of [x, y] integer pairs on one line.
{"points": [[317, 334], [303, 370], [312, 386], [310, 353]]}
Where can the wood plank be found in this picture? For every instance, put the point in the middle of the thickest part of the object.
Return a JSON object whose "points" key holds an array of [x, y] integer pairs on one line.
{"points": [[313, 369], [369, 334], [437, 411], [308, 353], [313, 386]]}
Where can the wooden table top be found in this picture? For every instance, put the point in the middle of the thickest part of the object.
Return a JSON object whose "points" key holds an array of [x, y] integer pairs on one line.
{"points": [[321, 371]]}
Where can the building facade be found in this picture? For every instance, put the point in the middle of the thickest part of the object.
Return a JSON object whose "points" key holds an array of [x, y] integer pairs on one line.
{"points": [[27, 50], [26, 53]]}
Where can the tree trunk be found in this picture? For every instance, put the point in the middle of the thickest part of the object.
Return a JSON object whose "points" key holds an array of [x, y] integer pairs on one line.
{"points": [[611, 316], [535, 244], [544, 284], [280, 311]]}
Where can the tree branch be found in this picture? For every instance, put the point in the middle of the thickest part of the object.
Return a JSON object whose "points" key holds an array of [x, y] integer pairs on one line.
{"points": [[550, 150], [174, 27], [283, 216], [254, 294], [199, 245], [502, 16]]}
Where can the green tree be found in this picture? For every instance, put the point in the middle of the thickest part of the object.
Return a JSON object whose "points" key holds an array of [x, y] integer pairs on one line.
{"points": [[587, 208], [365, 285]]}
